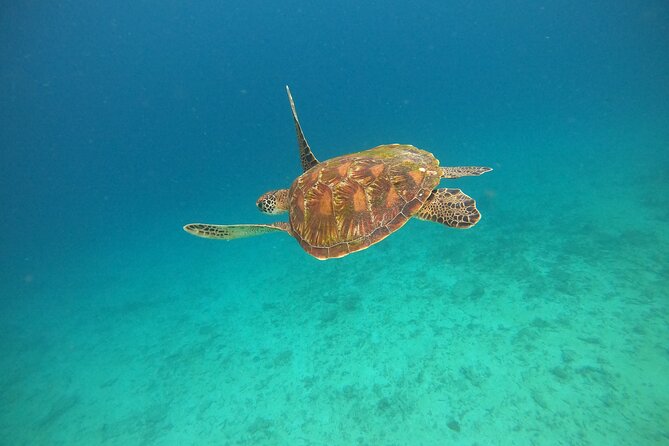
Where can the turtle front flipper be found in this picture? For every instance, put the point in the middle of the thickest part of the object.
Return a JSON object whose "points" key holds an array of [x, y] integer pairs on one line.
{"points": [[231, 232], [463, 171], [307, 158], [450, 207]]}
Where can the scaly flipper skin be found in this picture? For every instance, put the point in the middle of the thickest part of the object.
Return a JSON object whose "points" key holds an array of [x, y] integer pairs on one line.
{"points": [[231, 232], [450, 207], [307, 158], [463, 171]]}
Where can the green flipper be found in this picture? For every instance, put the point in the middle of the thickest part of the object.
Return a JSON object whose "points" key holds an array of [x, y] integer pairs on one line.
{"points": [[231, 232], [450, 207], [307, 158], [463, 171]]}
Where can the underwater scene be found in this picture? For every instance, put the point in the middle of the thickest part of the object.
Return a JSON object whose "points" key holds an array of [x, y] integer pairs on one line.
{"points": [[527, 305]]}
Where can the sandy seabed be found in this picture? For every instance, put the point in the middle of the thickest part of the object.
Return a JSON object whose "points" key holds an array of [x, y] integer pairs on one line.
{"points": [[546, 324]]}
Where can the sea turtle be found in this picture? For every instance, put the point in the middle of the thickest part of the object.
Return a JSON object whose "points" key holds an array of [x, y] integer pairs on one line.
{"points": [[350, 202]]}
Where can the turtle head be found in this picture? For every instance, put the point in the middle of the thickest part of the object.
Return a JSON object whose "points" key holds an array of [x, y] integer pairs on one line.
{"points": [[273, 202]]}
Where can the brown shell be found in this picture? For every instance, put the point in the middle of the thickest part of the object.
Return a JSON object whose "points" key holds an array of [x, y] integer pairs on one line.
{"points": [[348, 203]]}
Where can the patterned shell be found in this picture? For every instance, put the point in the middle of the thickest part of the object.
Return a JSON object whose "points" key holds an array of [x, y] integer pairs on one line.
{"points": [[350, 202]]}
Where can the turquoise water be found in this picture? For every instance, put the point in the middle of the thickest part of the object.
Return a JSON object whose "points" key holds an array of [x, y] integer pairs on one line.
{"points": [[545, 324]]}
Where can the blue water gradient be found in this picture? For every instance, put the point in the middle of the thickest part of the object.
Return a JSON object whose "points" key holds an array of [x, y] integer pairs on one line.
{"points": [[547, 323]]}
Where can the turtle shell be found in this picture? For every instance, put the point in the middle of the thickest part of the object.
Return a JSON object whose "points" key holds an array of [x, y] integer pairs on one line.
{"points": [[348, 203]]}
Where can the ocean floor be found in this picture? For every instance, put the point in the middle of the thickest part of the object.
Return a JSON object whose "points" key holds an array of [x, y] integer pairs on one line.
{"points": [[546, 324]]}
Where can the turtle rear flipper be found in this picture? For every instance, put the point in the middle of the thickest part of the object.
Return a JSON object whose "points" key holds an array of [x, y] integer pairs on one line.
{"points": [[463, 171], [231, 232], [450, 207]]}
